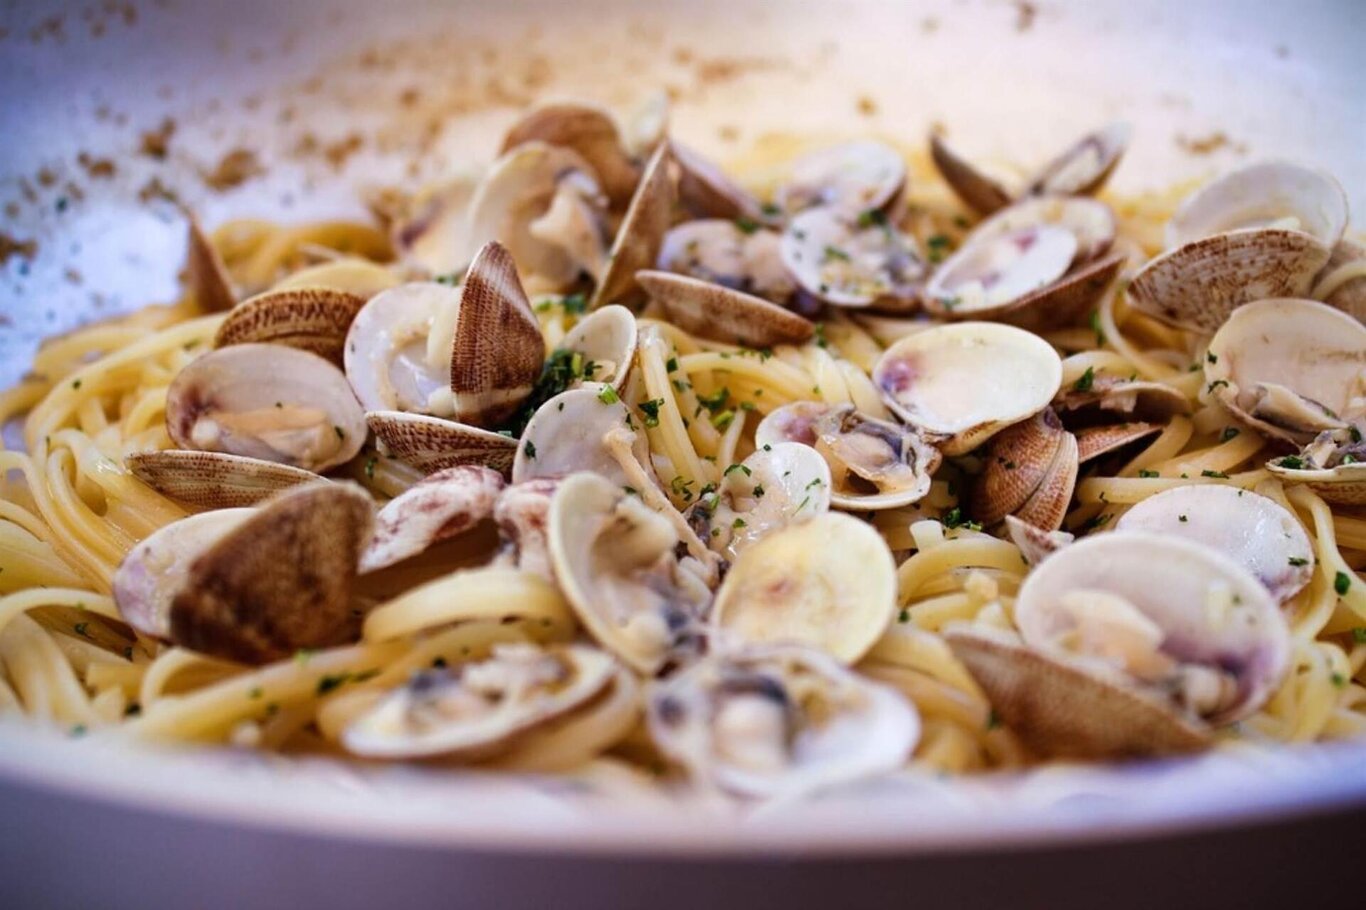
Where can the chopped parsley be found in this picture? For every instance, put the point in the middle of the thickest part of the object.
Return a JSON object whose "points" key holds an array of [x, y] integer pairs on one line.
{"points": [[529, 448], [1341, 583], [953, 518], [1182, 518], [1359, 635], [82, 629], [834, 252], [1229, 433], [671, 364], [738, 523], [1085, 381], [746, 225], [1096, 327], [1298, 561], [1219, 474], [1339, 680], [904, 616], [75, 383], [872, 218], [574, 303], [1211, 357], [723, 420], [608, 395], [1144, 472], [651, 411], [758, 491], [938, 245], [736, 467], [1293, 462], [715, 401], [341, 434], [1216, 384]]}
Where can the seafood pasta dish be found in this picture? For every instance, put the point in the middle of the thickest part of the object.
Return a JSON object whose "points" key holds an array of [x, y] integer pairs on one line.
{"points": [[745, 483]]}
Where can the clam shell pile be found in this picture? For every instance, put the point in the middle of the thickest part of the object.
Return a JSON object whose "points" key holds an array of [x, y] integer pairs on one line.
{"points": [[736, 621]]}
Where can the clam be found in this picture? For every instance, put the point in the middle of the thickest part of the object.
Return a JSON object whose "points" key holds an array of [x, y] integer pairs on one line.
{"points": [[852, 260], [770, 721], [1096, 398], [1091, 222], [741, 257], [251, 585], [1133, 643], [497, 350], [269, 402], [1093, 442], [615, 560], [828, 583], [1081, 170], [214, 480], [1030, 472], [980, 191], [543, 203], [574, 431], [874, 464], [641, 233], [1022, 275], [706, 191], [522, 512], [1342, 283], [206, 273], [852, 177], [433, 232], [438, 507], [398, 351], [606, 340], [480, 709], [1290, 368], [1270, 194], [433, 444], [1262, 231], [587, 130], [360, 277], [1085, 166], [779, 484], [967, 381], [1333, 466], [722, 314], [309, 318], [1255, 531], [1035, 544]]}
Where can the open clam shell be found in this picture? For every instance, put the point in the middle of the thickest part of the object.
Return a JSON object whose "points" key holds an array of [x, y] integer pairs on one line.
{"points": [[1059, 709], [986, 278], [1030, 472], [722, 314], [641, 233], [543, 203], [1255, 531], [1083, 168], [1333, 466], [1103, 396], [979, 191], [590, 132], [770, 721], [967, 381], [312, 319], [852, 261], [793, 586], [206, 273], [719, 251], [266, 401], [398, 350], [1035, 544], [572, 432], [852, 177], [480, 709], [522, 512], [607, 339], [255, 585], [1290, 368], [214, 480], [874, 464], [1115, 662], [1269, 194], [615, 561], [1200, 283], [1093, 442], [1091, 222], [433, 233], [706, 191], [438, 507], [779, 484], [432, 444]]}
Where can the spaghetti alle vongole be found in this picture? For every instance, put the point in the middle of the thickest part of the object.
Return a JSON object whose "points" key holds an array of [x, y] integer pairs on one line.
{"points": [[588, 528]]}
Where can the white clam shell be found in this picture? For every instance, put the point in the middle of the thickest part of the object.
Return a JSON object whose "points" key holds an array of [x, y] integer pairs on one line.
{"points": [[1255, 531], [1278, 194], [967, 380], [853, 177], [838, 260], [568, 434], [439, 506], [797, 585]]}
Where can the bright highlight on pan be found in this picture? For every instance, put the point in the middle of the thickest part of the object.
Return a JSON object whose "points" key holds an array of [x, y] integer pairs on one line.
{"points": [[609, 463]]}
